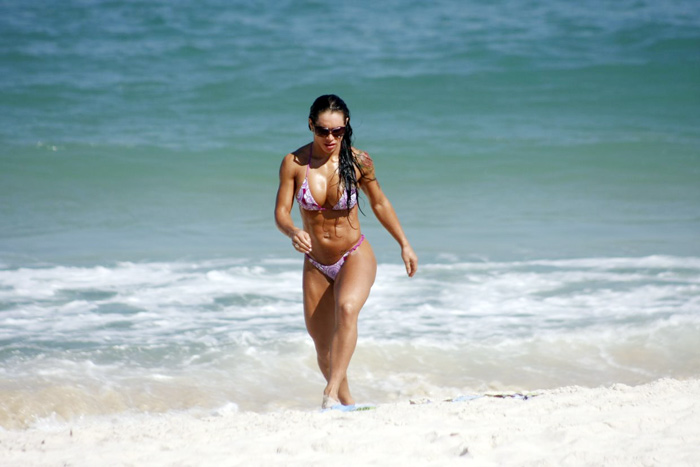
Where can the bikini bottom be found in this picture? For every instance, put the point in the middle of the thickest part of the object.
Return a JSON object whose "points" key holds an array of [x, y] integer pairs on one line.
{"points": [[332, 270]]}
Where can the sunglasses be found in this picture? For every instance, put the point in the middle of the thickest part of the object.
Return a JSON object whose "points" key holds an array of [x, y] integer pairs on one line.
{"points": [[322, 131]]}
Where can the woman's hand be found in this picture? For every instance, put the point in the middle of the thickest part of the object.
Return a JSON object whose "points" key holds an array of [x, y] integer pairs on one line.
{"points": [[410, 260], [301, 241]]}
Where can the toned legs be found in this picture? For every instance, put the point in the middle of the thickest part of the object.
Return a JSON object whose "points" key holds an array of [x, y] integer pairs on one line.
{"points": [[319, 305], [331, 310], [351, 289]]}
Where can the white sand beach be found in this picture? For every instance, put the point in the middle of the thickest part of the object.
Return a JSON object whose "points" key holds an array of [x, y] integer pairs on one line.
{"points": [[656, 424]]}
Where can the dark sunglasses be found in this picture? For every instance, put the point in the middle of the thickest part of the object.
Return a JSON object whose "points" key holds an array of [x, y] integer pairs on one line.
{"points": [[322, 131]]}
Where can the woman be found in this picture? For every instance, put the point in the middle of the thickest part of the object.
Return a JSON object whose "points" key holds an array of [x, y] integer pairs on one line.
{"points": [[339, 264]]}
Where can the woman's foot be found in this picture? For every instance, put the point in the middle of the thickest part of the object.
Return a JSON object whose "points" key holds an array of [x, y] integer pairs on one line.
{"points": [[329, 402], [343, 395], [346, 400]]}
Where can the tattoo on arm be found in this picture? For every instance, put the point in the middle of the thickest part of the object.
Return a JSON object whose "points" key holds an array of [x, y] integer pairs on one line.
{"points": [[365, 161]]}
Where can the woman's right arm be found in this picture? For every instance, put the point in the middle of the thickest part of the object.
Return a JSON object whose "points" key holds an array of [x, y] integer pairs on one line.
{"points": [[283, 207]]}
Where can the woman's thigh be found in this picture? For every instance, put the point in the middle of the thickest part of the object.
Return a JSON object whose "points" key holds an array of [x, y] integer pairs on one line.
{"points": [[319, 303], [355, 279]]}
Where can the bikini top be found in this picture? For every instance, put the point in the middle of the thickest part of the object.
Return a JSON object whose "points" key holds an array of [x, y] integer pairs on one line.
{"points": [[306, 199]]}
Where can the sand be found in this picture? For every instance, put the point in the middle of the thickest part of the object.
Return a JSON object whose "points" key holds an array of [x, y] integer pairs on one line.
{"points": [[656, 424]]}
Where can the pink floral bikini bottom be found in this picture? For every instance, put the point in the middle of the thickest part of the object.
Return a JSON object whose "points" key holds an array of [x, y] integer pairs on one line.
{"points": [[332, 270]]}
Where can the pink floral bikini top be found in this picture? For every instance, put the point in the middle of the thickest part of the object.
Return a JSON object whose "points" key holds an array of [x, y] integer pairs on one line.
{"points": [[306, 199]]}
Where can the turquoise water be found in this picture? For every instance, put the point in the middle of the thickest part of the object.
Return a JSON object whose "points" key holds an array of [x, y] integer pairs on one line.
{"points": [[543, 157]]}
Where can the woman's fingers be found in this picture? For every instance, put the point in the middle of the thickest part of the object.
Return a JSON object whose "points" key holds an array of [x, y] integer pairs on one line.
{"points": [[411, 267], [410, 260], [301, 241]]}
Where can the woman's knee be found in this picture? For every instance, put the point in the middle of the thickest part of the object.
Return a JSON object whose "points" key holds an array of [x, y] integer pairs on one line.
{"points": [[347, 312]]}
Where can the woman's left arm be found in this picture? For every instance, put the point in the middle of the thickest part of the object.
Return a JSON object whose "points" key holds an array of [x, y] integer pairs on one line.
{"points": [[384, 211]]}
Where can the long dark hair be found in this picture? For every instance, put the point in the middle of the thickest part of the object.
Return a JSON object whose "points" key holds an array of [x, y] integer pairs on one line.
{"points": [[348, 162]]}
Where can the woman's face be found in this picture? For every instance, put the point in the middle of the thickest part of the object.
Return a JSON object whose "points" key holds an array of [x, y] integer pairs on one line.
{"points": [[329, 143]]}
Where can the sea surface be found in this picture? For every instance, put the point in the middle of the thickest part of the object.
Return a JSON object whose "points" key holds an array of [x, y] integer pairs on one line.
{"points": [[543, 157]]}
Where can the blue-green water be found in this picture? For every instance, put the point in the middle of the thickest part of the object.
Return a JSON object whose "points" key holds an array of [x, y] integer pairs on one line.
{"points": [[544, 159]]}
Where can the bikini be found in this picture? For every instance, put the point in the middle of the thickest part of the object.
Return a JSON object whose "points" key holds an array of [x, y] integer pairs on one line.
{"points": [[306, 199], [332, 270], [307, 202]]}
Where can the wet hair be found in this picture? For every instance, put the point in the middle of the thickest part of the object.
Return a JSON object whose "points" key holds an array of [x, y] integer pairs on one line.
{"points": [[348, 162]]}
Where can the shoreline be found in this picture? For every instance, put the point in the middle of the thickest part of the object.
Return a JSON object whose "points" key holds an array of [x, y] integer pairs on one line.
{"points": [[656, 423]]}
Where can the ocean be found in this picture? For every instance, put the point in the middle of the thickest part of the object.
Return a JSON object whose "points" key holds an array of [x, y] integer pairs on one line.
{"points": [[543, 157]]}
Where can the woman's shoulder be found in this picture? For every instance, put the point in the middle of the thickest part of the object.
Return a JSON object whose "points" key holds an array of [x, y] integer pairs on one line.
{"points": [[297, 157], [294, 161], [363, 159]]}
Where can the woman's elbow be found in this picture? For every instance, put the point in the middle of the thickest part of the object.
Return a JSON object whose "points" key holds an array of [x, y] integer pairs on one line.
{"points": [[279, 216], [380, 208]]}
